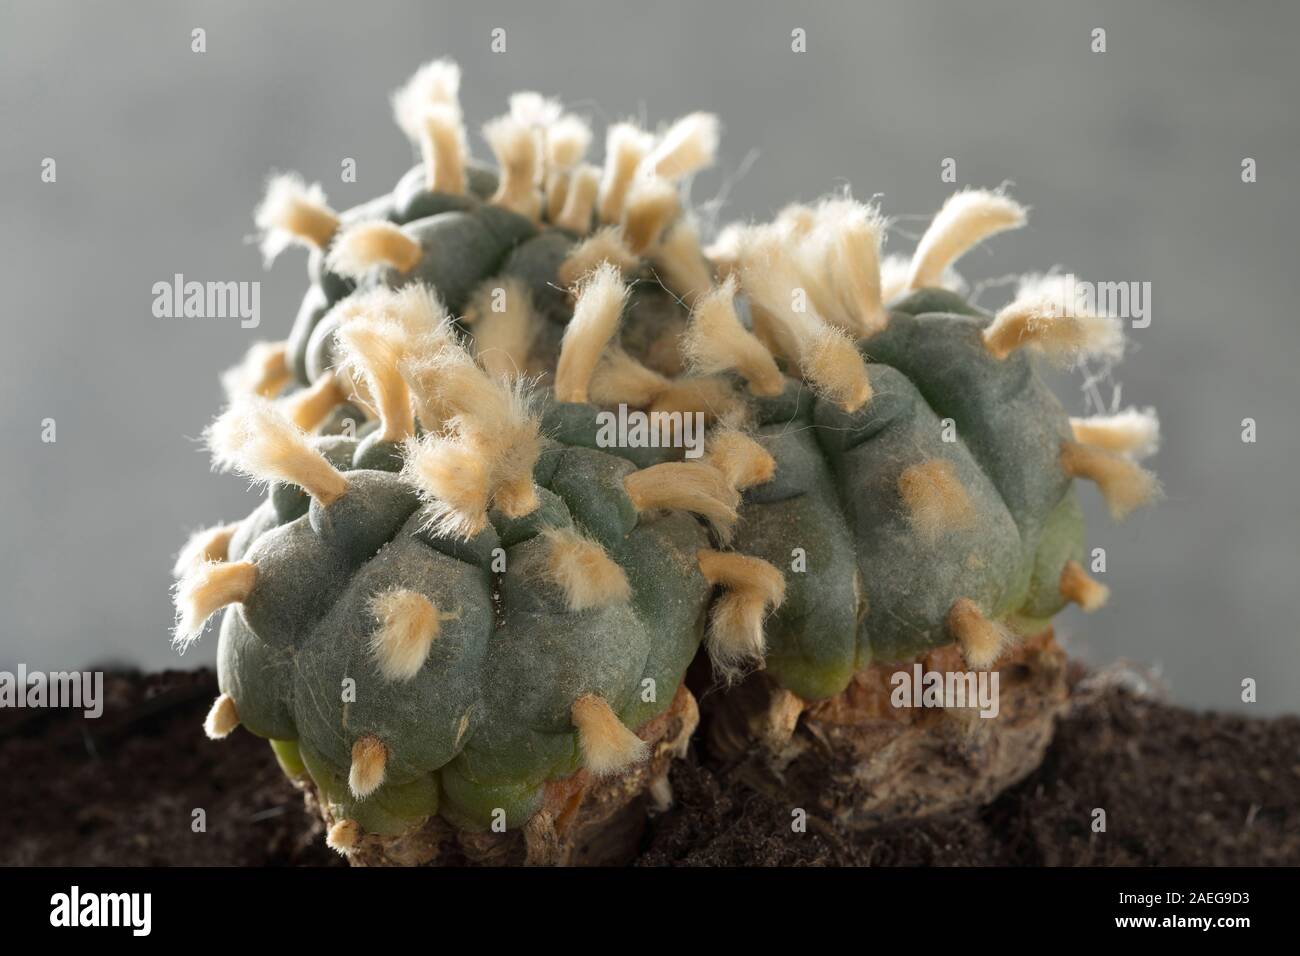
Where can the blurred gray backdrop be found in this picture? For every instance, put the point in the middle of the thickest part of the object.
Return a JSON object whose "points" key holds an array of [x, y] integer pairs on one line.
{"points": [[1130, 159]]}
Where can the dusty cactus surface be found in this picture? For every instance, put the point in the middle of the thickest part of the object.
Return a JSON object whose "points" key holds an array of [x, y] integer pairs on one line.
{"points": [[534, 444]]}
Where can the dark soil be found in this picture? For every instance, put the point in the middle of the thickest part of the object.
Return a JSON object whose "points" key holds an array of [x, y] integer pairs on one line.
{"points": [[1178, 788]]}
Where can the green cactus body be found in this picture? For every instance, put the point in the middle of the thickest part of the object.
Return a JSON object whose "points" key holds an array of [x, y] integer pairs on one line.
{"points": [[452, 597]]}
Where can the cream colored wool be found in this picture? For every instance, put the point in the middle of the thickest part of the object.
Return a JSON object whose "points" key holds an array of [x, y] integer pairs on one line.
{"points": [[982, 641], [293, 212], [588, 576], [966, 219], [608, 747], [408, 625], [595, 319], [936, 500], [367, 245]]}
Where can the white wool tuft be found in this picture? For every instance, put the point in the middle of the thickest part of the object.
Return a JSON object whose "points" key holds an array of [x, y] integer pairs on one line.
{"points": [[291, 211], [369, 766], [1124, 484], [1049, 315], [604, 245], [484, 448], [372, 348], [651, 204], [264, 370], [595, 319], [203, 546], [715, 341], [366, 245], [436, 83], [967, 218], [690, 144], [1134, 432], [589, 577], [680, 262], [408, 625], [205, 590], [567, 141], [222, 719], [443, 147], [752, 588], [254, 438], [982, 641], [503, 339], [515, 146], [608, 747], [626, 145]]}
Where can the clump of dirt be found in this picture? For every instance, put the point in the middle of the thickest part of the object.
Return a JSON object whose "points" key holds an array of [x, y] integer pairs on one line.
{"points": [[122, 790], [1177, 788]]}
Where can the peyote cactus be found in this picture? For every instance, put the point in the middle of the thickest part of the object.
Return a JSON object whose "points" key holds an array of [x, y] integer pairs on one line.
{"points": [[462, 601]]}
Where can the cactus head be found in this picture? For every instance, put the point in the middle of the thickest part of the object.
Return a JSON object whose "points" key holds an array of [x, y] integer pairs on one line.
{"points": [[461, 598]]}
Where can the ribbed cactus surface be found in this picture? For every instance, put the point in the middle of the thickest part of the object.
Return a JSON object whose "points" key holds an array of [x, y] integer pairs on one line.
{"points": [[461, 589]]}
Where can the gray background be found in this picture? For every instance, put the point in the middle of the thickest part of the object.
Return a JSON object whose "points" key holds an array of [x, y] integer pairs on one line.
{"points": [[1131, 160]]}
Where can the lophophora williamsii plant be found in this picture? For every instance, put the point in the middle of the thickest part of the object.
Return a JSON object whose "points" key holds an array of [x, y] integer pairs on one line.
{"points": [[464, 612]]}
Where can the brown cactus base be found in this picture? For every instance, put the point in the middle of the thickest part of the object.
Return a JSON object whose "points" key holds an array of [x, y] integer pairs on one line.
{"points": [[585, 821], [858, 761]]}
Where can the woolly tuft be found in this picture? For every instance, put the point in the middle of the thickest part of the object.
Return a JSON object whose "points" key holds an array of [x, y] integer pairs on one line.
{"points": [[204, 546], [680, 262], [442, 145], [204, 591], [222, 719], [254, 438], [652, 204], [626, 145], [367, 245], [1078, 588], [826, 356], [408, 625], [693, 486], [604, 245], [373, 349], [743, 461], [503, 339], [343, 837], [1124, 484], [967, 218], [690, 144], [293, 212], [608, 747], [516, 149], [580, 200], [620, 379], [369, 766], [1134, 432], [434, 84], [936, 500], [264, 371], [1048, 315], [752, 588], [715, 341], [308, 407], [595, 319], [589, 577], [982, 641]]}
